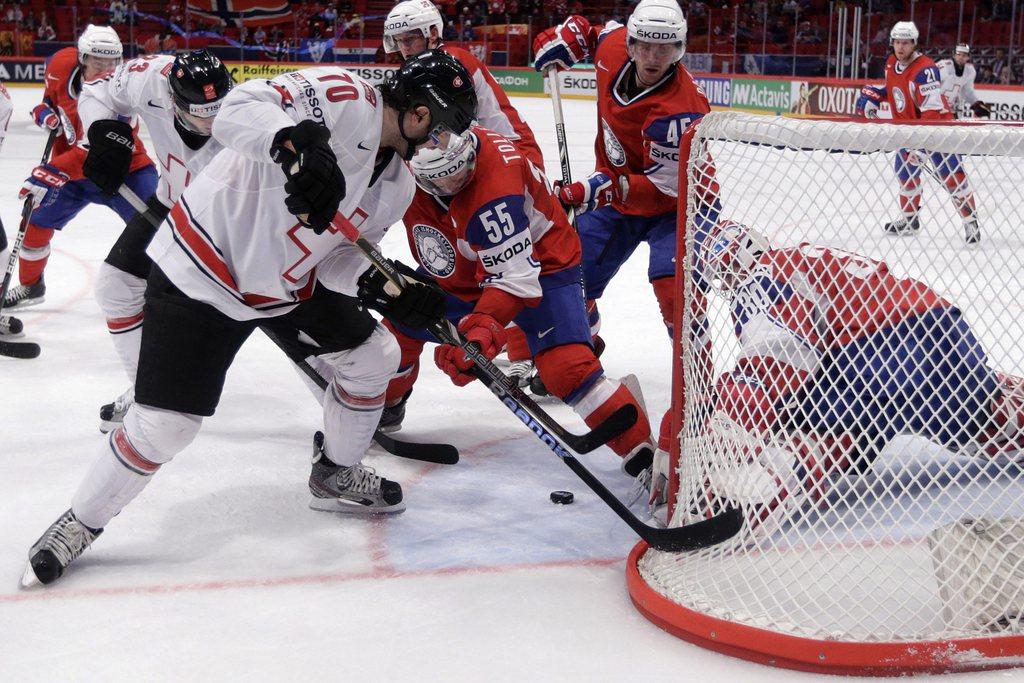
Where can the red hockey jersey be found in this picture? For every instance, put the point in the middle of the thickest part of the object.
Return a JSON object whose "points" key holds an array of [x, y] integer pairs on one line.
{"points": [[502, 230], [63, 84], [639, 138], [915, 91]]}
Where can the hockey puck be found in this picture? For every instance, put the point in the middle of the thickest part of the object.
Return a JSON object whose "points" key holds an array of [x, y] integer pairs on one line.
{"points": [[562, 497]]}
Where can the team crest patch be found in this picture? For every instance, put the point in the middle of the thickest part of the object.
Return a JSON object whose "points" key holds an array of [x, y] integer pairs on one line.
{"points": [[899, 98], [436, 253], [612, 148]]}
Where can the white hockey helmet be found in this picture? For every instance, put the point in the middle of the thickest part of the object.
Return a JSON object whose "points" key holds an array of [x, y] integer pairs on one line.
{"points": [[99, 41], [658, 21], [904, 30], [445, 169], [728, 252], [962, 48], [411, 15]]}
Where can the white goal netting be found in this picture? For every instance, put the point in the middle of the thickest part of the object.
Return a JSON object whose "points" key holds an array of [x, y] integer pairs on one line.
{"points": [[858, 395]]}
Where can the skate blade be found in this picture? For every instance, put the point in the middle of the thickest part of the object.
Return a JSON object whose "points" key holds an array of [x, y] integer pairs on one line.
{"points": [[26, 303], [352, 508], [390, 429], [29, 579]]}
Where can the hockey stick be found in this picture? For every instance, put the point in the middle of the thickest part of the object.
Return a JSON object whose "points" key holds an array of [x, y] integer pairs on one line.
{"points": [[440, 453], [535, 417], [22, 349], [560, 137], [689, 537]]}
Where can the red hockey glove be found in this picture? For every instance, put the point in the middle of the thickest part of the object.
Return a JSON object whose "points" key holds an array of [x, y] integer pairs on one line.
{"points": [[45, 117], [43, 185], [480, 329], [563, 45], [596, 190]]}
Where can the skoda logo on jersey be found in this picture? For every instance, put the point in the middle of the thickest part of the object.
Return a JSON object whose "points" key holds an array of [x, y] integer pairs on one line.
{"points": [[612, 148], [899, 98], [436, 253]]}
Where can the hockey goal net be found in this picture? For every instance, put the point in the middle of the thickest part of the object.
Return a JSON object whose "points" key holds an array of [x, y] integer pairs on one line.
{"points": [[883, 498]]}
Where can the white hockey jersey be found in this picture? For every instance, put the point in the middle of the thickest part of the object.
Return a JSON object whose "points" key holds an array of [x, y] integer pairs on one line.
{"points": [[954, 86], [231, 242], [139, 88], [6, 110]]}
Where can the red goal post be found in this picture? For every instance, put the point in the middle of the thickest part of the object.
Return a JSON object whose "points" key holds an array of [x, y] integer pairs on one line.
{"points": [[904, 557]]}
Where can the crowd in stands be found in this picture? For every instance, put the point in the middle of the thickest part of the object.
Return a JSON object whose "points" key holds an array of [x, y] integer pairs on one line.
{"points": [[717, 27]]}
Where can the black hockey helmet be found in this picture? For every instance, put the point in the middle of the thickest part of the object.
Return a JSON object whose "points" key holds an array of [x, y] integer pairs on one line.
{"points": [[199, 81], [436, 80]]}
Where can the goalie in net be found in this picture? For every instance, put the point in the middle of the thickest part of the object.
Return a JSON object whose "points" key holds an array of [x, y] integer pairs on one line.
{"points": [[838, 355]]}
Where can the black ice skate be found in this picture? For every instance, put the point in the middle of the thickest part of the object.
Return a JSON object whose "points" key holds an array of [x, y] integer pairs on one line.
{"points": [[391, 418], [351, 490], [972, 233], [61, 545], [112, 414], [10, 326], [26, 295], [903, 227]]}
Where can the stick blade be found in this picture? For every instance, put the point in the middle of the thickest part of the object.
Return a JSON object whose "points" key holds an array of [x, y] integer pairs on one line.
{"points": [[23, 350], [702, 534], [438, 453]]}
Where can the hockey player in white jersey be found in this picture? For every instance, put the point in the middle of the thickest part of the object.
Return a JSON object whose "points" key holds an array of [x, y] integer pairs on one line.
{"points": [[958, 76], [178, 99], [251, 242], [9, 325]]}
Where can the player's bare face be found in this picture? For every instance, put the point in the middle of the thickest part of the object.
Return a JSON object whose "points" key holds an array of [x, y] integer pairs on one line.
{"points": [[94, 66], [652, 60], [961, 58], [411, 43], [903, 49]]}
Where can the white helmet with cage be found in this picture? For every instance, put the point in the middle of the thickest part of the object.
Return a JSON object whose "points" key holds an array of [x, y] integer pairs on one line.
{"points": [[447, 168], [99, 41], [728, 253], [658, 21], [904, 30], [411, 15]]}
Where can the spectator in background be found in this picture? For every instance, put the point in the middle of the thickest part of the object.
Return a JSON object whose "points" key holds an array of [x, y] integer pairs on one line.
{"points": [[260, 36], [168, 44], [45, 31], [330, 15], [985, 75], [496, 11], [998, 65], [467, 34], [118, 11], [1006, 77], [14, 15], [450, 33]]}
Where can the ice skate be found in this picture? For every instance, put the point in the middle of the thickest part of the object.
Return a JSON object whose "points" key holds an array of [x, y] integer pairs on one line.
{"points": [[903, 227], [354, 490], [112, 414], [26, 295], [972, 233], [391, 418], [63, 542], [521, 372]]}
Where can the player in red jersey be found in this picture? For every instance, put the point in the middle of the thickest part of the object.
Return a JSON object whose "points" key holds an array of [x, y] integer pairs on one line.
{"points": [[486, 228], [413, 26], [645, 101], [838, 355], [59, 189], [913, 89]]}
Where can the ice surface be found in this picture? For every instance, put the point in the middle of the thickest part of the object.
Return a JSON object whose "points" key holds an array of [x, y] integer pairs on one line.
{"points": [[220, 571]]}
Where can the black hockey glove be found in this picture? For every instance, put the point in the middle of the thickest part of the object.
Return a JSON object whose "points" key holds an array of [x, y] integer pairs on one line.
{"points": [[111, 145], [315, 184], [420, 305], [982, 110]]}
